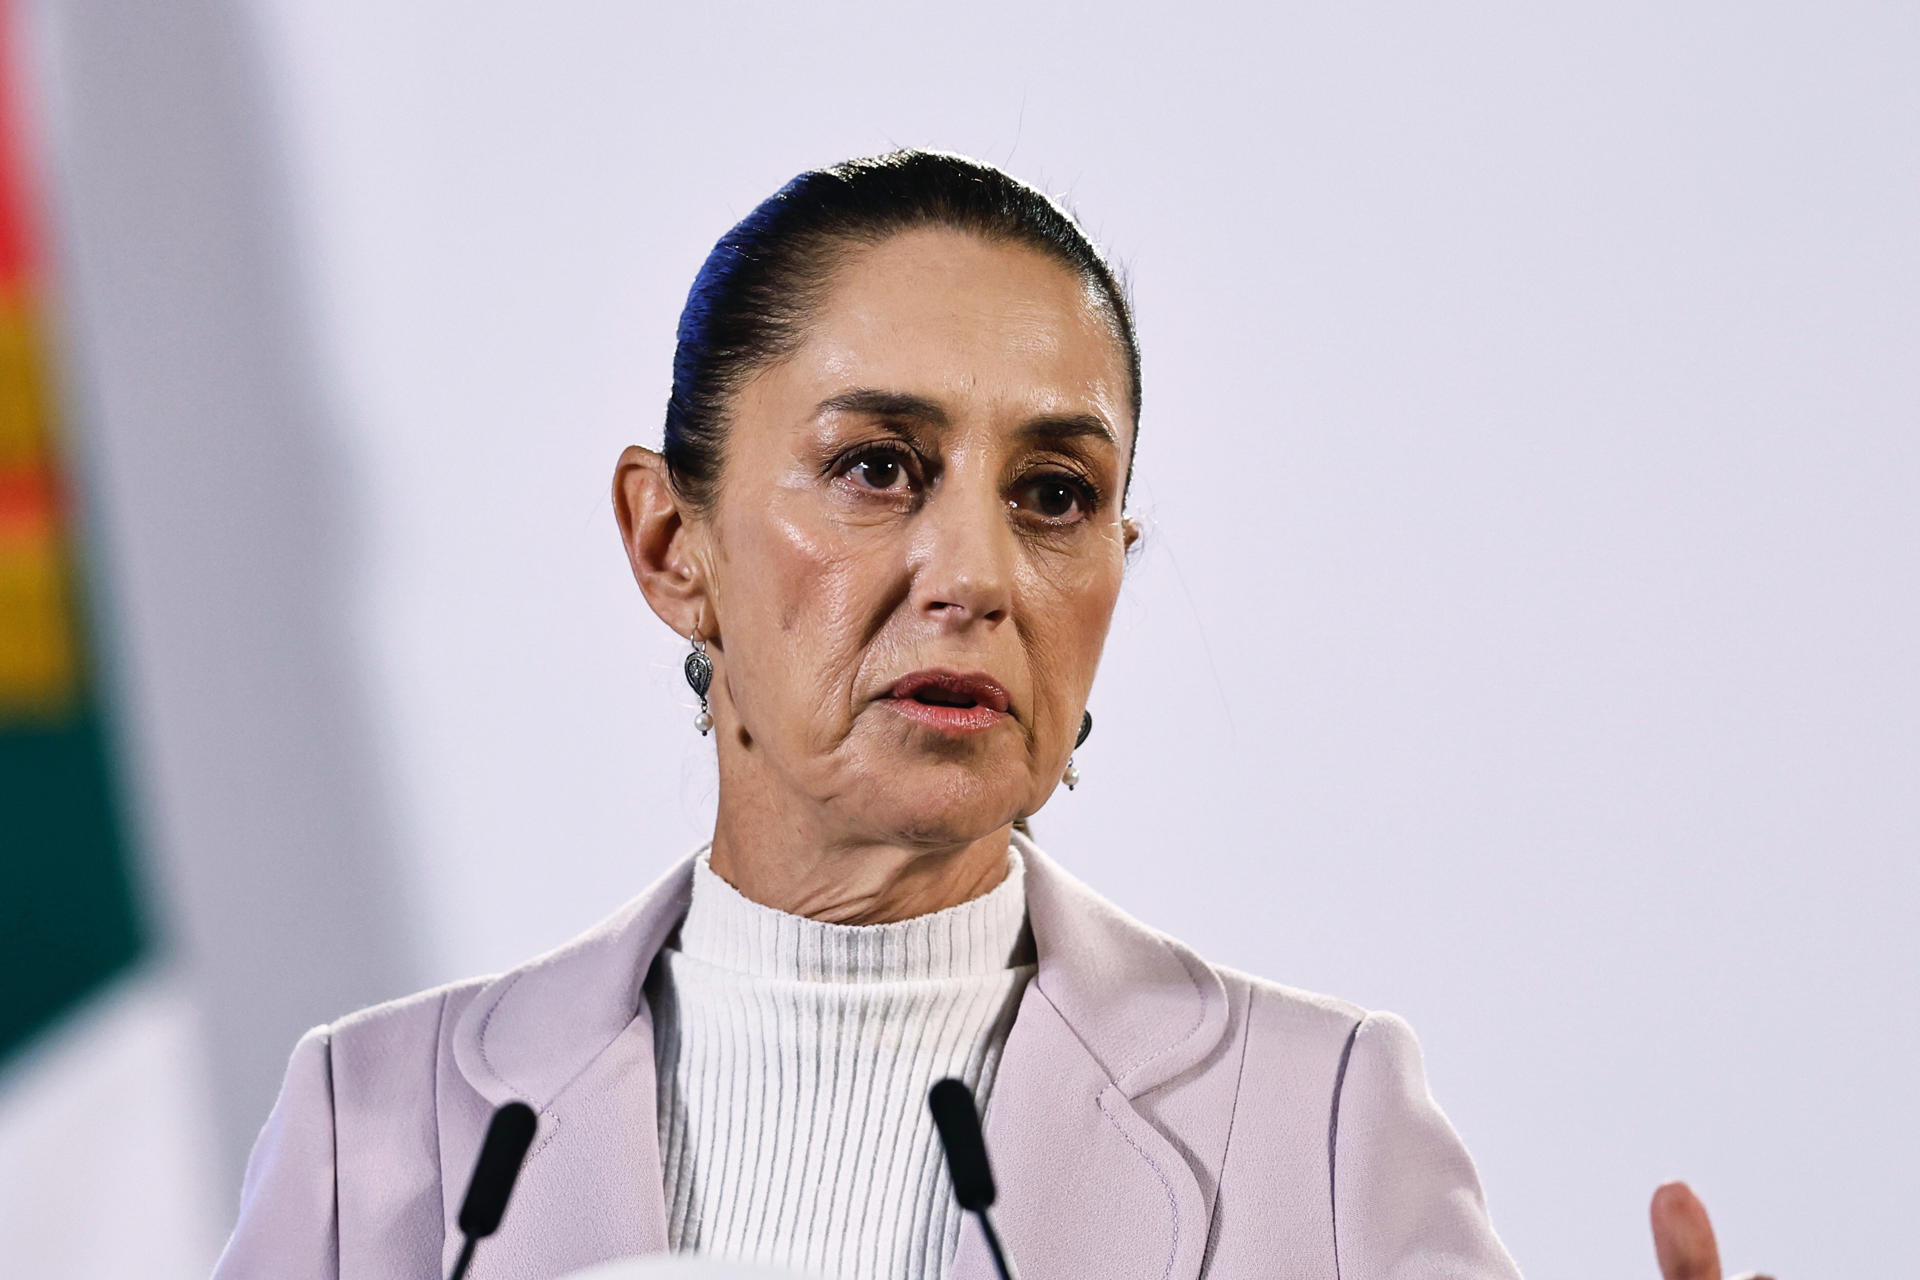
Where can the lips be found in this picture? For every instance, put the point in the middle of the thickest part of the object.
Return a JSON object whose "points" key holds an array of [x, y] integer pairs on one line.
{"points": [[952, 701]]}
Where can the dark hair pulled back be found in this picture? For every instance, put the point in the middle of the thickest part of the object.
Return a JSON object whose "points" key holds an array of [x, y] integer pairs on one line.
{"points": [[749, 305]]}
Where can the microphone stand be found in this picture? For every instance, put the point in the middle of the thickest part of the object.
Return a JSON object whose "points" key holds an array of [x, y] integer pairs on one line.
{"points": [[1002, 1267]]}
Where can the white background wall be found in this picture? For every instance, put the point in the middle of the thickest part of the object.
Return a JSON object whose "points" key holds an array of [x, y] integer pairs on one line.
{"points": [[1526, 637]]}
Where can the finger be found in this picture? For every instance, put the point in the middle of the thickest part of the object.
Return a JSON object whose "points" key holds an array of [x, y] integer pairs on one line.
{"points": [[1682, 1235]]}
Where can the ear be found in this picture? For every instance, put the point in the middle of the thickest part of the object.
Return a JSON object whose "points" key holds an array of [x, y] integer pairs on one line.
{"points": [[665, 548], [1130, 535]]}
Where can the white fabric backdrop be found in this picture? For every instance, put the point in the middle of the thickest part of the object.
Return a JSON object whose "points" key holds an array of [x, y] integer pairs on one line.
{"points": [[1525, 637]]}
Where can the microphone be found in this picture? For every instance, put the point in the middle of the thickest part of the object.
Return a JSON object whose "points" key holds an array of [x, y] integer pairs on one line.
{"points": [[509, 1134], [959, 1125]]}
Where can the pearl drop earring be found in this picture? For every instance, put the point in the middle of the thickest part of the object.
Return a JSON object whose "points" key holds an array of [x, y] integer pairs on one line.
{"points": [[699, 672], [1072, 775]]}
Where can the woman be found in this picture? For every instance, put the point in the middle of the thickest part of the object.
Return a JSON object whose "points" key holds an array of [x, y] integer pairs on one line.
{"points": [[888, 517]]}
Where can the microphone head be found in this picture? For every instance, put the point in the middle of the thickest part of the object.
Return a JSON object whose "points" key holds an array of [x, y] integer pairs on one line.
{"points": [[508, 1136], [959, 1124]]}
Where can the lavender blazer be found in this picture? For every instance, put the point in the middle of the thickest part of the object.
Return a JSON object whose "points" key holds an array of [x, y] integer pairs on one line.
{"points": [[1154, 1116]]}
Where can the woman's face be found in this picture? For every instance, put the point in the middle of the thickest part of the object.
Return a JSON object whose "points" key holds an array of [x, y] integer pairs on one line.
{"points": [[917, 542]]}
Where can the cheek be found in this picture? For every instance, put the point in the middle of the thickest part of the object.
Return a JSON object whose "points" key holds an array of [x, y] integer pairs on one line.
{"points": [[1070, 603], [799, 611]]}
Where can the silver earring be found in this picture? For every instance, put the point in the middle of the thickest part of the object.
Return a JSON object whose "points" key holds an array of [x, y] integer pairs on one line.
{"points": [[1072, 775], [699, 672]]}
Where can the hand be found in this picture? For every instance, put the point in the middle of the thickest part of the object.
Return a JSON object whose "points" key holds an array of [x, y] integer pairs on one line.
{"points": [[1683, 1237]]}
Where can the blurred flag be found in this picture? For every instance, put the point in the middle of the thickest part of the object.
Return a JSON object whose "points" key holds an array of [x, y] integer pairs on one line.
{"points": [[67, 915], [103, 1162]]}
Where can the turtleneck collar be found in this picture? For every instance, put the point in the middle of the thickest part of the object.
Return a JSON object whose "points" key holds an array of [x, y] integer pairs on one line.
{"points": [[985, 935]]}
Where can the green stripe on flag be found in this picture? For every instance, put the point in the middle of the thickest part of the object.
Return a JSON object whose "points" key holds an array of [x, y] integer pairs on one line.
{"points": [[67, 915]]}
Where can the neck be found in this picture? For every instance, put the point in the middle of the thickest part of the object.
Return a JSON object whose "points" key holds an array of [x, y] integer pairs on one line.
{"points": [[848, 879]]}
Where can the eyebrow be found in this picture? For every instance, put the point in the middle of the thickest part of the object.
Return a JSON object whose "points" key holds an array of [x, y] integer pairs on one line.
{"points": [[883, 404], [1068, 426], [901, 404]]}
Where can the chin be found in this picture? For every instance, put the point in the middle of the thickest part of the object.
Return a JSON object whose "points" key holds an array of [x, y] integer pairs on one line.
{"points": [[941, 805]]}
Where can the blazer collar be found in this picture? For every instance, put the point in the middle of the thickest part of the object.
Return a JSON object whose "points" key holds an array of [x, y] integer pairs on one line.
{"points": [[531, 1031], [1144, 1006], [1090, 1184], [570, 1034]]}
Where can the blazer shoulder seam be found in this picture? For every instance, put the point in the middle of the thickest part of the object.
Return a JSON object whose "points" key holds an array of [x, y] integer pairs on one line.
{"points": [[1333, 1139], [414, 1004], [439, 1151], [333, 1144], [1345, 1011], [1233, 1116]]}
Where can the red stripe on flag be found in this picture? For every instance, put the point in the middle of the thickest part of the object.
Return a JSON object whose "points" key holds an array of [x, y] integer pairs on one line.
{"points": [[18, 249]]}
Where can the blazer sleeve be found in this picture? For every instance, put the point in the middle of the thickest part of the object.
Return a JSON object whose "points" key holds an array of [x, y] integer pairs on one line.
{"points": [[288, 1227], [1407, 1200]]}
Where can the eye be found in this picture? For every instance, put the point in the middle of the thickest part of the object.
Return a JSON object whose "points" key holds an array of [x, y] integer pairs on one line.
{"points": [[880, 470], [1056, 497]]}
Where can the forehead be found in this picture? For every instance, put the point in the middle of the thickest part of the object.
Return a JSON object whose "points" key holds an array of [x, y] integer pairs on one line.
{"points": [[987, 328]]}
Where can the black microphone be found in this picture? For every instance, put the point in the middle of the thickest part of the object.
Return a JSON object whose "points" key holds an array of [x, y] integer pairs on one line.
{"points": [[959, 1124], [509, 1134]]}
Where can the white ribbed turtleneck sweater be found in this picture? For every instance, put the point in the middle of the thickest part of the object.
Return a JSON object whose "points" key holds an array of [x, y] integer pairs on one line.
{"points": [[793, 1060]]}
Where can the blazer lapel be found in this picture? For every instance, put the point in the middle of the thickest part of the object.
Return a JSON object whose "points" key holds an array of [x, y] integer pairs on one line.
{"points": [[571, 1035], [1090, 1182], [1085, 1187], [1086, 1184]]}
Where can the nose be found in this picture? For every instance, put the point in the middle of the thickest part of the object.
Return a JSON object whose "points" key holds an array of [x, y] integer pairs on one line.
{"points": [[964, 559]]}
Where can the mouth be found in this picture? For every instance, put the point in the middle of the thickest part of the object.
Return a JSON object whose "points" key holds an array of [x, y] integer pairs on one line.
{"points": [[956, 702]]}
